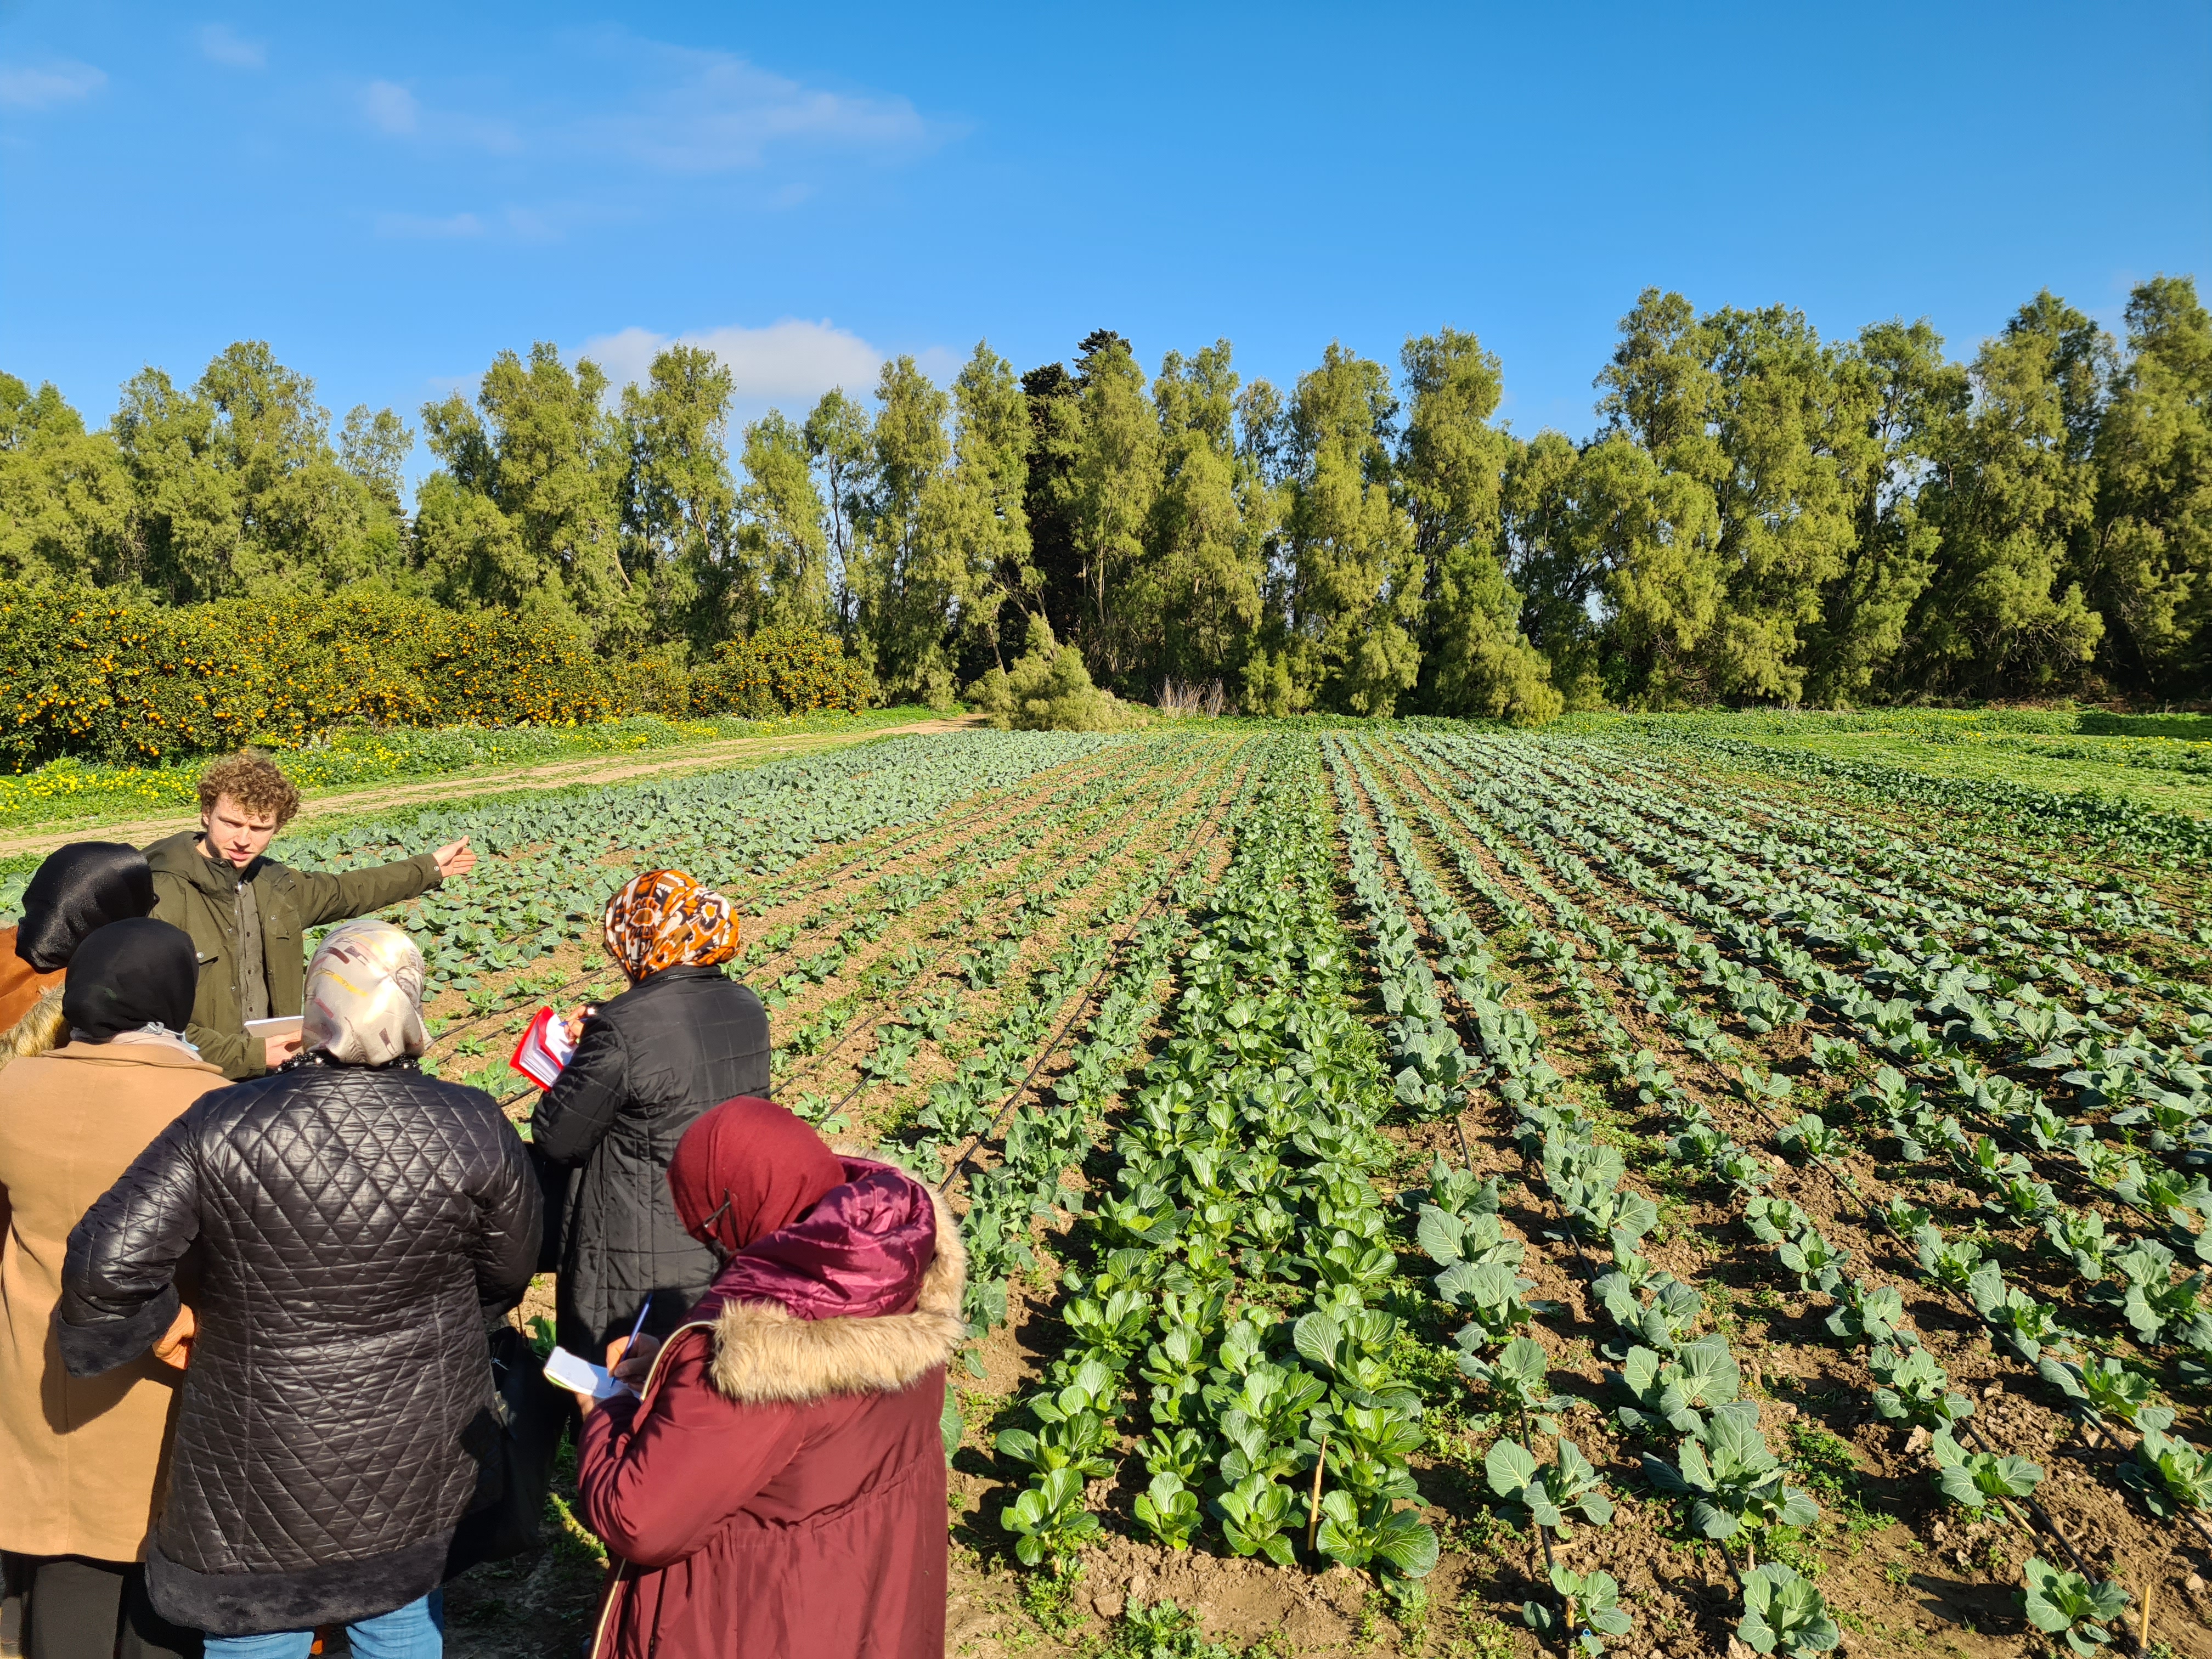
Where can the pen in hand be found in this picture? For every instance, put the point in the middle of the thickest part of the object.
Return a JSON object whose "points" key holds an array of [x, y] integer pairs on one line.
{"points": [[634, 1330]]}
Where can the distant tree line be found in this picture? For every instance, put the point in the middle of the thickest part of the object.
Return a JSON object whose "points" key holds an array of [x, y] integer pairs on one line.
{"points": [[1760, 516]]}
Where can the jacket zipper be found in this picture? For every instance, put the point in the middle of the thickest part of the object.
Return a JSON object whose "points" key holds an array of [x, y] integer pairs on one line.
{"points": [[620, 1566]]}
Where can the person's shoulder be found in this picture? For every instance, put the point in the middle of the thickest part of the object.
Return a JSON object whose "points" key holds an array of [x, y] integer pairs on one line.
{"points": [[174, 855]]}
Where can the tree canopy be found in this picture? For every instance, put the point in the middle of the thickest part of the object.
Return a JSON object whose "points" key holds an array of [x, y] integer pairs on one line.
{"points": [[1758, 515]]}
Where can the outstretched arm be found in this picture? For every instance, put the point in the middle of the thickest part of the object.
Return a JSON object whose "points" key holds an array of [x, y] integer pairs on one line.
{"points": [[349, 893], [118, 1279]]}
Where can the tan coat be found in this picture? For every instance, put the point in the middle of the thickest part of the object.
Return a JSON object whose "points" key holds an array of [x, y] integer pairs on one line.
{"points": [[80, 1462]]}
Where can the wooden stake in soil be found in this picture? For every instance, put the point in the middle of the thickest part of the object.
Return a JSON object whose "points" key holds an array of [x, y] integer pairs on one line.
{"points": [[1313, 1505], [2143, 1634]]}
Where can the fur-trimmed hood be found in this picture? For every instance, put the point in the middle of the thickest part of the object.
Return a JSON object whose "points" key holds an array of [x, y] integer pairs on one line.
{"points": [[766, 1354]]}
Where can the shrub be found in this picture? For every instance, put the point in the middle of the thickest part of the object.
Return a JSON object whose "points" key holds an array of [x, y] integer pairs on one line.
{"points": [[793, 668], [1048, 689], [106, 674]]}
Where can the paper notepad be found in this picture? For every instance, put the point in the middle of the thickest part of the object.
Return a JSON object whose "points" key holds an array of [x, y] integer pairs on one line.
{"points": [[577, 1374], [544, 1049]]}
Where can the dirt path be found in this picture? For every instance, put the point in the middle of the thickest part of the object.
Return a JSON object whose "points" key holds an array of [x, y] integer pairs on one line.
{"points": [[477, 785]]}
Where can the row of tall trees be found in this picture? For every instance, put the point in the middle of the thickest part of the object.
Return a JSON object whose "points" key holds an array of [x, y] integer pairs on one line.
{"points": [[1760, 515]]}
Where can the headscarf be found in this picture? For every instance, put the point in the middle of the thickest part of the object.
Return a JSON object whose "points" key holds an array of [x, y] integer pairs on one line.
{"points": [[131, 974], [364, 997], [664, 919], [748, 1169], [80, 888]]}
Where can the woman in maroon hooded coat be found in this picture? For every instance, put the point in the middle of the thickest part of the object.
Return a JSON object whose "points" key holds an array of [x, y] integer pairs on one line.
{"points": [[778, 1490]]}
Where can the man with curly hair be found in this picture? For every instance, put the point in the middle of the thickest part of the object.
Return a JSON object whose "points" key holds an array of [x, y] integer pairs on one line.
{"points": [[248, 917]]}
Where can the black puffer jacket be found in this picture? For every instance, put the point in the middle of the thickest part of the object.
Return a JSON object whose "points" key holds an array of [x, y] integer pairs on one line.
{"points": [[648, 1063], [351, 1229]]}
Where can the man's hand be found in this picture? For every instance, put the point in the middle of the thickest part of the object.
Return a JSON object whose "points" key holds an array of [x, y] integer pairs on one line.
{"points": [[455, 859], [175, 1347], [275, 1050]]}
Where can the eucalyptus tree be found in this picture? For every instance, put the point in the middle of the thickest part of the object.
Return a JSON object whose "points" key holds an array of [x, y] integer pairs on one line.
{"points": [[679, 503], [1112, 480], [2147, 562], [67, 508], [976, 512], [1911, 399], [526, 510], [2014, 488], [1451, 465], [906, 584], [1194, 596], [237, 487], [837, 445], [783, 567], [1356, 589], [1751, 409]]}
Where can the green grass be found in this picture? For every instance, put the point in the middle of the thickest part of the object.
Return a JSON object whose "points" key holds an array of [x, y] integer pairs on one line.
{"points": [[82, 793], [2161, 761]]}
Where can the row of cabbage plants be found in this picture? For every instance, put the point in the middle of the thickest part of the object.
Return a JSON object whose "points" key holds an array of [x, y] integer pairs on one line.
{"points": [[1222, 1313], [1909, 1385], [1735, 1484]]}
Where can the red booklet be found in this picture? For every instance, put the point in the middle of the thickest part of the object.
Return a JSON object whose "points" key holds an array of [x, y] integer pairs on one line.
{"points": [[544, 1049]]}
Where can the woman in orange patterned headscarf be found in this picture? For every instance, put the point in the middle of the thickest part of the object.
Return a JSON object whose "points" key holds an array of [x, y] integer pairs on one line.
{"points": [[664, 919], [684, 1038]]}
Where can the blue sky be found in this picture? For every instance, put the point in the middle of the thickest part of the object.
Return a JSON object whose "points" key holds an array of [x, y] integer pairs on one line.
{"points": [[390, 194]]}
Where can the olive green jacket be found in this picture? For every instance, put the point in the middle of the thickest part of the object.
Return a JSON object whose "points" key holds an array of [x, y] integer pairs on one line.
{"points": [[201, 896]]}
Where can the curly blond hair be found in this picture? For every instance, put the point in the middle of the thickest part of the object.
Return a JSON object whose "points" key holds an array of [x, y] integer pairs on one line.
{"points": [[251, 779]]}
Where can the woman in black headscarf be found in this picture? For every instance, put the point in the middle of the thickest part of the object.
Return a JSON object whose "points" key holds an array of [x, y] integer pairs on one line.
{"points": [[78, 888], [81, 1459]]}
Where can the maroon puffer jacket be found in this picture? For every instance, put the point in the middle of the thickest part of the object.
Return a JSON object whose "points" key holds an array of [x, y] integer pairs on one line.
{"points": [[778, 1490]]}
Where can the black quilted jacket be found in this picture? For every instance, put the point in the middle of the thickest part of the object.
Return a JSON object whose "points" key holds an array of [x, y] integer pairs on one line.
{"points": [[649, 1062], [351, 1229]]}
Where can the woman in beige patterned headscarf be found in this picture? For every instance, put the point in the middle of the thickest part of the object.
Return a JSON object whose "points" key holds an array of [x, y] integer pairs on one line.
{"points": [[364, 997]]}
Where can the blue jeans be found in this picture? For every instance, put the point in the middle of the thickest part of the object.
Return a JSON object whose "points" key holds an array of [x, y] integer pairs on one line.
{"points": [[417, 1631]]}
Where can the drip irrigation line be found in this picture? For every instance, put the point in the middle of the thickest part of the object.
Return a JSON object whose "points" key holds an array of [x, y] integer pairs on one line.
{"points": [[507, 1100], [1037, 1065], [1875, 1213], [817, 1061], [1459, 1125], [913, 833]]}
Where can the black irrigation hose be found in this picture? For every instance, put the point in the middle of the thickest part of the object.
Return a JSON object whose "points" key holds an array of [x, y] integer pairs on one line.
{"points": [[912, 832], [1046, 1053], [1459, 1125], [580, 978], [1875, 1213], [815, 1062]]}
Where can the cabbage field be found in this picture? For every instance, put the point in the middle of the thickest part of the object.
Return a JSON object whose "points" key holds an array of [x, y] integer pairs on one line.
{"points": [[1539, 1192]]}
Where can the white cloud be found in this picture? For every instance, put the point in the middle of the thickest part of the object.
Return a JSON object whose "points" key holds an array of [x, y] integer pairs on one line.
{"points": [[788, 365], [61, 81], [711, 112], [224, 45], [394, 110], [415, 226], [389, 107]]}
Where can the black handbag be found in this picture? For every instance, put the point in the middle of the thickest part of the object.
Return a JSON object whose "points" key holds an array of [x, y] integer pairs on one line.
{"points": [[507, 1517]]}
